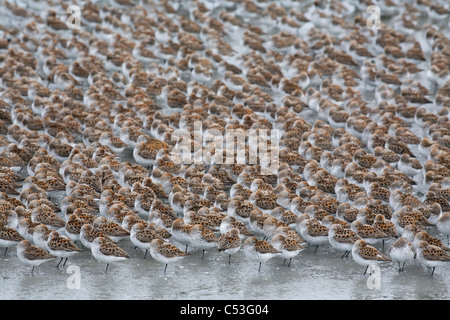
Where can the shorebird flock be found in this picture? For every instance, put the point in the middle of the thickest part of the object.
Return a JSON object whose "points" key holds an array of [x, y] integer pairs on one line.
{"points": [[92, 98]]}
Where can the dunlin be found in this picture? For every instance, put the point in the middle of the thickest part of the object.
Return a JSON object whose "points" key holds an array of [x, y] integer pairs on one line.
{"points": [[113, 229], [102, 129], [44, 214], [202, 238], [342, 239], [9, 217], [270, 225], [288, 247], [312, 232], [229, 222], [89, 233], [9, 237], [385, 225], [40, 235], [240, 209], [431, 256], [402, 251], [165, 252], [181, 232], [32, 255], [259, 250], [368, 233], [73, 227], [61, 247], [26, 228], [432, 240], [366, 255], [229, 242], [107, 252], [410, 166], [443, 224], [141, 237]]}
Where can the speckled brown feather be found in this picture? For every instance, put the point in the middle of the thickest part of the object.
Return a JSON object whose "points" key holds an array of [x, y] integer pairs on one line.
{"points": [[435, 253], [62, 244], [109, 248], [169, 250], [33, 252], [370, 253], [263, 246], [10, 234]]}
